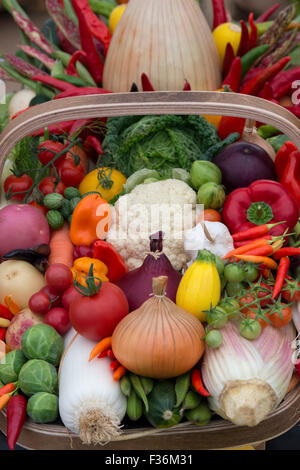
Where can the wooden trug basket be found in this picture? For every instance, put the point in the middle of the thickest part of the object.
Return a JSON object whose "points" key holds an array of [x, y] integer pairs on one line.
{"points": [[218, 434]]}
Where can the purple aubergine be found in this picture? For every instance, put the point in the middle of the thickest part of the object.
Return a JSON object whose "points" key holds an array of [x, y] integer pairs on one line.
{"points": [[242, 163]]}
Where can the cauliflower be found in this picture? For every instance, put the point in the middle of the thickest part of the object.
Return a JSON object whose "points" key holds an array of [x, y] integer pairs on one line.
{"points": [[168, 205]]}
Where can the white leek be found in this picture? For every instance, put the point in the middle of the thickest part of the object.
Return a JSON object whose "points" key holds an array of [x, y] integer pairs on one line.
{"points": [[248, 379], [91, 403]]}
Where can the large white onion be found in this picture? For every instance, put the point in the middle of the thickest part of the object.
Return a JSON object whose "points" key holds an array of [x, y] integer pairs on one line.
{"points": [[169, 40]]}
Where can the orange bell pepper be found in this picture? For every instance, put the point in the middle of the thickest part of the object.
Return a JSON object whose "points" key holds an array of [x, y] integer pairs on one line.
{"points": [[81, 268], [90, 220]]}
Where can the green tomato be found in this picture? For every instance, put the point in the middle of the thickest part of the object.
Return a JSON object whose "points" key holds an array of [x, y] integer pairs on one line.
{"points": [[234, 288], [231, 306], [214, 338], [217, 317], [234, 273], [211, 195], [220, 265], [250, 328], [42, 341], [11, 365], [204, 172], [42, 407], [251, 272], [200, 415]]}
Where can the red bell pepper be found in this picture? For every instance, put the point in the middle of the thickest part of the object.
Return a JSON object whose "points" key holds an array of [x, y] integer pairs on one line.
{"points": [[263, 202], [113, 260], [287, 164]]}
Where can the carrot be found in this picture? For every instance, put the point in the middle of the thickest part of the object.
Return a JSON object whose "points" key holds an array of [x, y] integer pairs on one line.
{"points": [[265, 260], [104, 344], [61, 247], [266, 250], [4, 400]]}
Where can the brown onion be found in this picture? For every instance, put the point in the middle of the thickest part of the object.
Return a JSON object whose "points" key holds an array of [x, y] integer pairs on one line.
{"points": [[158, 340]]}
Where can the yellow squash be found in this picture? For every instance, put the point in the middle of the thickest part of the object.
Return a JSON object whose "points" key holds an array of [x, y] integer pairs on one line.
{"points": [[200, 286]]}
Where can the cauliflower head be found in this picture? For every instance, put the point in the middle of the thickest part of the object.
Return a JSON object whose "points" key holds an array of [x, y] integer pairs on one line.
{"points": [[169, 205]]}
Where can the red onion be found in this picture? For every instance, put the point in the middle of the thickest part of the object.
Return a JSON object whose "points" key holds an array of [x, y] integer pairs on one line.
{"points": [[137, 284]]}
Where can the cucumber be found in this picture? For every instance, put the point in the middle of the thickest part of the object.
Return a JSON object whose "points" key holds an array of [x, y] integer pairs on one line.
{"points": [[55, 219], [71, 192], [53, 201]]}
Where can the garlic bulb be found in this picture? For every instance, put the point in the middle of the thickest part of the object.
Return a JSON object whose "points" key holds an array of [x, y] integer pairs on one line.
{"points": [[168, 40], [158, 340], [248, 379], [91, 403]]}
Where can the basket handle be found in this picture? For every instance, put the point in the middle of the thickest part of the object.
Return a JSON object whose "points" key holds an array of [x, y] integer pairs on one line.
{"points": [[165, 102]]}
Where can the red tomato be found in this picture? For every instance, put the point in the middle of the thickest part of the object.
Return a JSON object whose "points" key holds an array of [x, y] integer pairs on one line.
{"points": [[291, 291], [247, 299], [97, 316], [54, 297], [48, 185], [69, 296], [39, 303], [256, 315], [280, 320], [17, 184], [59, 319], [39, 206], [47, 151], [59, 277], [262, 290], [70, 173]]}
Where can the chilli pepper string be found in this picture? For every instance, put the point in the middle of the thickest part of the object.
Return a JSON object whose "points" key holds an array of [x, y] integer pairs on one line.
{"points": [[287, 251], [244, 41], [228, 59], [234, 75], [266, 15], [253, 32], [219, 13], [146, 84]]}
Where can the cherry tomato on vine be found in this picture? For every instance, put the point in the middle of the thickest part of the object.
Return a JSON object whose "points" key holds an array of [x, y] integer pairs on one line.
{"points": [[48, 185], [281, 319], [47, 151], [59, 277], [257, 315], [17, 184], [39, 303], [70, 173], [54, 297]]}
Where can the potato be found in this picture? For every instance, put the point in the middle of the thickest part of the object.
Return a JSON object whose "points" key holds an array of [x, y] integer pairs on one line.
{"points": [[18, 325], [20, 280]]}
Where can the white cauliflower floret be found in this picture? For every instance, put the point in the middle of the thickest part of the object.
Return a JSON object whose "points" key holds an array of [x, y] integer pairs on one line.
{"points": [[168, 205]]}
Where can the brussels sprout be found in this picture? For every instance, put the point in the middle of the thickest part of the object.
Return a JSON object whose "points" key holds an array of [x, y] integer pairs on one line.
{"points": [[11, 365], [38, 376], [42, 407], [42, 341]]}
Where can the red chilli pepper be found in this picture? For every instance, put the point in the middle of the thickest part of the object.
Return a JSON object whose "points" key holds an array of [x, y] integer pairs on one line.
{"points": [[146, 84], [93, 61], [266, 15], [57, 129], [282, 156], [8, 388], [287, 251], [106, 253], [253, 32], [77, 56], [15, 415], [234, 75], [219, 13], [254, 231], [84, 91], [54, 82], [256, 84], [196, 381], [285, 78], [282, 271], [96, 27], [244, 42], [228, 59], [5, 312], [92, 142], [187, 86], [2, 334], [114, 364]]}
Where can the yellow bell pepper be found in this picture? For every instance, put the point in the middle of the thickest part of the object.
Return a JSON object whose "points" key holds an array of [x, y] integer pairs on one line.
{"points": [[108, 182], [200, 286], [81, 267]]}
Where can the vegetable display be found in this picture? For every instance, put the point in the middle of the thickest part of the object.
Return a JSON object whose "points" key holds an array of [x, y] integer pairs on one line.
{"points": [[149, 264]]}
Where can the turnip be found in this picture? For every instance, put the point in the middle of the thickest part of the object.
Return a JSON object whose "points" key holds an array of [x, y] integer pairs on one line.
{"points": [[20, 280], [19, 324], [22, 226]]}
